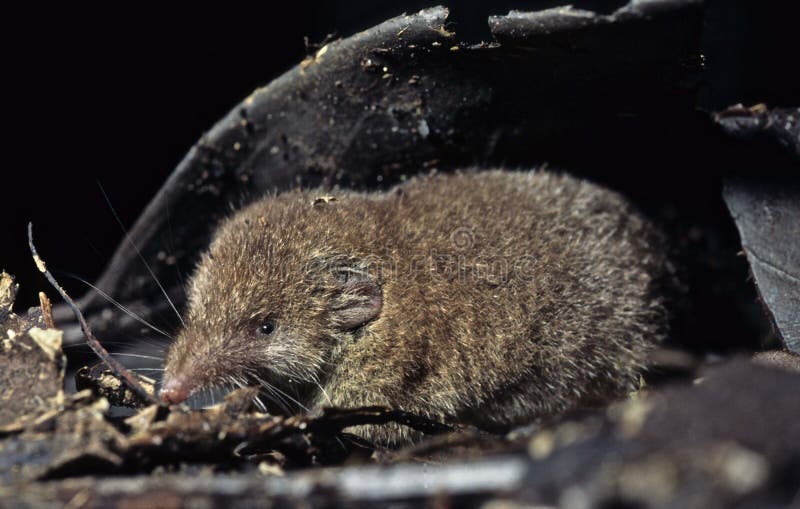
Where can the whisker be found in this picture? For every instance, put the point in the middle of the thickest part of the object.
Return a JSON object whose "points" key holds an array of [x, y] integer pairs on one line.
{"points": [[260, 404], [139, 253], [278, 400], [300, 405], [81, 345], [138, 355], [322, 390], [304, 370], [274, 396], [118, 305], [341, 444], [158, 353], [148, 344]]}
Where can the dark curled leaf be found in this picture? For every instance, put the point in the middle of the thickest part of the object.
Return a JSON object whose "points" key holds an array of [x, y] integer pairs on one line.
{"points": [[768, 218], [408, 96]]}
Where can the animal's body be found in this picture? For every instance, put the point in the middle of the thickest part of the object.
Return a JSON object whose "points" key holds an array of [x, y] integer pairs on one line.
{"points": [[490, 298]]}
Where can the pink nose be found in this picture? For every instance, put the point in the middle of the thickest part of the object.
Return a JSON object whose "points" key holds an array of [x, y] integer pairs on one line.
{"points": [[174, 391]]}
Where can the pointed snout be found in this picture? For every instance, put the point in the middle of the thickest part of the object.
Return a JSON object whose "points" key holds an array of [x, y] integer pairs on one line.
{"points": [[175, 390]]}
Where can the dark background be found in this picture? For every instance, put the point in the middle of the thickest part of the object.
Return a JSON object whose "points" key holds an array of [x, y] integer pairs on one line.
{"points": [[117, 95]]}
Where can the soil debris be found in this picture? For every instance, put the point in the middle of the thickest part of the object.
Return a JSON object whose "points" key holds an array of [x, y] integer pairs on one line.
{"points": [[31, 365], [105, 383]]}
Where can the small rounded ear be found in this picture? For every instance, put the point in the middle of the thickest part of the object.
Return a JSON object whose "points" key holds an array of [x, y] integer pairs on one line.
{"points": [[358, 298]]}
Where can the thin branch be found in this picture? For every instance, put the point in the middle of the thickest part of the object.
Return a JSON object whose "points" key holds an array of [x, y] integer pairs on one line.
{"points": [[118, 369]]}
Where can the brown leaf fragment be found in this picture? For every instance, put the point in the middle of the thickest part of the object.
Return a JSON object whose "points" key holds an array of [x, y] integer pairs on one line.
{"points": [[144, 418], [47, 311], [8, 291]]}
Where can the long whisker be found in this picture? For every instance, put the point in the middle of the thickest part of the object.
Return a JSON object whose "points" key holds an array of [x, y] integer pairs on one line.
{"points": [[139, 253], [138, 355], [158, 352], [128, 343], [118, 305]]}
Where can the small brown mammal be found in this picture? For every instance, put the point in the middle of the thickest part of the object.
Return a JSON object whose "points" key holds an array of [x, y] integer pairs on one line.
{"points": [[491, 298]]}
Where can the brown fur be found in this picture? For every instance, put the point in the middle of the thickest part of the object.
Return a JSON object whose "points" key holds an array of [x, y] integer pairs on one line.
{"points": [[503, 297]]}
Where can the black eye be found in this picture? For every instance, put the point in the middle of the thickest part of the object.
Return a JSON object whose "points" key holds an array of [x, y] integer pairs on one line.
{"points": [[267, 328]]}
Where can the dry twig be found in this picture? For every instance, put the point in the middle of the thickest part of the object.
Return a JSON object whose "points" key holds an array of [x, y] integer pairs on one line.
{"points": [[115, 366]]}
